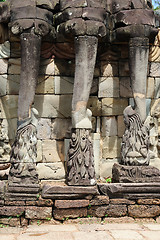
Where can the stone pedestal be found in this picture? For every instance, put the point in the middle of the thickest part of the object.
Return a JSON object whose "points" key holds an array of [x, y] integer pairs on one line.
{"points": [[135, 174]]}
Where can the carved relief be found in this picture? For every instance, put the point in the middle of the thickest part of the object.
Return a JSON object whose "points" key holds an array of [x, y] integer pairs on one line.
{"points": [[24, 153], [80, 162], [135, 141]]}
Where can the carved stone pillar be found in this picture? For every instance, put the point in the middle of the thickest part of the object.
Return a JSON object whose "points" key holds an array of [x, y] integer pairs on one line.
{"points": [[80, 162], [138, 61], [24, 149]]}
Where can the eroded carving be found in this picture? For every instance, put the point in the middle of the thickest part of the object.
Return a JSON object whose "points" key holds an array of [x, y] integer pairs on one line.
{"points": [[24, 152], [80, 162], [135, 141]]}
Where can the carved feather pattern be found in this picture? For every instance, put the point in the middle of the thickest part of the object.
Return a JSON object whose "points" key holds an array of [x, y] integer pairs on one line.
{"points": [[80, 160]]}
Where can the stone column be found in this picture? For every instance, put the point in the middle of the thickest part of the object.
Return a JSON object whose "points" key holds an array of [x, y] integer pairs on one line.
{"points": [[80, 162], [24, 149]]}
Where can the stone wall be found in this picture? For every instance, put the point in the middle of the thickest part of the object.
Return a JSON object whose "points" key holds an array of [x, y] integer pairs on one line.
{"points": [[110, 94]]}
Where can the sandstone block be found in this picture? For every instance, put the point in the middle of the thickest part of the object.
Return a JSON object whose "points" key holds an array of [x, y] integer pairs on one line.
{"points": [[14, 66], [157, 88], [108, 211], [109, 69], [38, 212], [94, 104], [121, 201], [109, 126], [154, 70], [9, 106], [121, 126], [148, 201], [44, 128], [47, 66], [106, 167], [62, 214], [53, 151], [125, 87], [45, 85], [51, 171], [39, 151], [112, 106], [99, 200], [60, 128], [3, 85], [108, 87], [13, 84], [11, 211], [150, 88], [143, 211], [12, 222], [124, 69], [3, 66], [14, 203], [111, 147], [51, 106], [71, 203], [64, 85]]}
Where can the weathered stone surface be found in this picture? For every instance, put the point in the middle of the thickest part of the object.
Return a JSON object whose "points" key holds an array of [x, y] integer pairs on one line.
{"points": [[106, 167], [109, 69], [109, 126], [125, 87], [52, 151], [9, 106], [44, 129], [150, 88], [112, 106], [47, 66], [99, 200], [3, 66], [71, 203], [11, 211], [45, 85], [63, 85], [157, 88], [12, 222], [60, 128], [108, 211], [14, 203], [91, 220], [148, 201], [124, 69], [38, 212], [143, 211], [62, 214], [121, 201], [67, 192], [51, 106], [13, 84], [122, 173], [154, 70], [94, 104], [39, 151], [121, 126], [40, 202], [111, 147], [108, 87], [50, 171], [3, 85], [131, 191]]}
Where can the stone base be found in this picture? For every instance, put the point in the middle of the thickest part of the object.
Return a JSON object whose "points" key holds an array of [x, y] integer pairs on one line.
{"points": [[135, 174], [131, 190], [68, 192], [22, 192]]}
